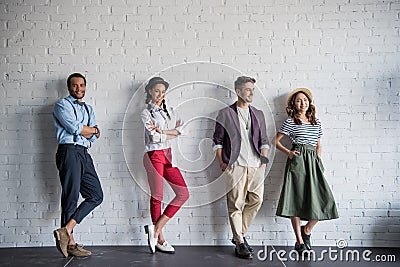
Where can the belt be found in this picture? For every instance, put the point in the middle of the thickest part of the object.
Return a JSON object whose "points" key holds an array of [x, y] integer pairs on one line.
{"points": [[72, 145], [303, 146]]}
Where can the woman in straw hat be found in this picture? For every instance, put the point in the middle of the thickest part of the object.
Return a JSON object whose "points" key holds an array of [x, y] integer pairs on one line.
{"points": [[161, 125], [305, 193]]}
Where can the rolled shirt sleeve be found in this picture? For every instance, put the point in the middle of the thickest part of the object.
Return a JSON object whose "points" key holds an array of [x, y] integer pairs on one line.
{"points": [[219, 132], [263, 129], [179, 128], [265, 146], [92, 123], [217, 146], [65, 115], [154, 136]]}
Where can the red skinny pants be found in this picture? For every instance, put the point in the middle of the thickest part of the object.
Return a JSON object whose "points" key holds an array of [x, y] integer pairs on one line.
{"points": [[158, 167]]}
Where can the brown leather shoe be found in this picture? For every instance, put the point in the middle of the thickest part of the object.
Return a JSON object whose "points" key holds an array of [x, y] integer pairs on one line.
{"points": [[62, 240], [78, 251]]}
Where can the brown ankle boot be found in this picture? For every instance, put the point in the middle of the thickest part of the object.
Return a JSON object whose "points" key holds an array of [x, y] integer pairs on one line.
{"points": [[78, 251]]}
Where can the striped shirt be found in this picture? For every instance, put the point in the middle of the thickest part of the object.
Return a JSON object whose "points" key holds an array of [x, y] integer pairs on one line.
{"points": [[304, 134]]}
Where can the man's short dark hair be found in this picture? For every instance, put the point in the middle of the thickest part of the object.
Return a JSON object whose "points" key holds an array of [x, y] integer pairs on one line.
{"points": [[242, 80], [75, 75]]}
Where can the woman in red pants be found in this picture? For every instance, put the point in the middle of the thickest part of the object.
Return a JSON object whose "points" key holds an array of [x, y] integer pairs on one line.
{"points": [[162, 124]]}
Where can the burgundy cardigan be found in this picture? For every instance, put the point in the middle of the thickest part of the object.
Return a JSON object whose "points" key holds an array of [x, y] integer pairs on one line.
{"points": [[227, 132]]}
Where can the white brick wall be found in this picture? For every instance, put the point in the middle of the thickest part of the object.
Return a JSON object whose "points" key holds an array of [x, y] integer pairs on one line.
{"points": [[347, 52]]}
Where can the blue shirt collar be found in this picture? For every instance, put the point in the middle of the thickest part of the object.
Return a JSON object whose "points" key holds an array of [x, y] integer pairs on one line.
{"points": [[73, 100]]}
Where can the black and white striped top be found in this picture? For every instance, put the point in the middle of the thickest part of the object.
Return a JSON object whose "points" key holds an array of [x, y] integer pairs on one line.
{"points": [[304, 134]]}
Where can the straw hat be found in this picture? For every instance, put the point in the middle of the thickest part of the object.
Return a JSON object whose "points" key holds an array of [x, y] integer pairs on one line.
{"points": [[300, 89]]}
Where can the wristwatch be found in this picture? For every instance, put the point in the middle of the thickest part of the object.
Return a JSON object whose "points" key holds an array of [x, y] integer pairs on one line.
{"points": [[264, 159]]}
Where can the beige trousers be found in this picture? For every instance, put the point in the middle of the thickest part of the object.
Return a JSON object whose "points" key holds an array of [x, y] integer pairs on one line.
{"points": [[244, 199]]}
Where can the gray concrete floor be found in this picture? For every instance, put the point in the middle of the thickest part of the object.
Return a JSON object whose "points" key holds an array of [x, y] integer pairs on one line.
{"points": [[193, 256]]}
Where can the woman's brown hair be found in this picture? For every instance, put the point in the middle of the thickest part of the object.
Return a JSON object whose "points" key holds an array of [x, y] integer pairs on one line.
{"points": [[294, 114]]}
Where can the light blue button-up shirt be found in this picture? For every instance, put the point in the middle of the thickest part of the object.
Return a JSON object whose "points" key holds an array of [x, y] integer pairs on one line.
{"points": [[69, 118]]}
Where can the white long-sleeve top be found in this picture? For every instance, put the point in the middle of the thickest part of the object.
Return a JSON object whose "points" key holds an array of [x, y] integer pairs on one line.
{"points": [[155, 114]]}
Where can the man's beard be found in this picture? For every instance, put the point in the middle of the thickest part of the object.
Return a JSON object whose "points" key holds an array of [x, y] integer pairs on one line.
{"points": [[248, 101], [75, 95]]}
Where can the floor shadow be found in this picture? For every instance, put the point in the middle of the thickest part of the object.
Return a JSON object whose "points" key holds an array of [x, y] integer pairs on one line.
{"points": [[273, 182], [44, 160], [275, 177]]}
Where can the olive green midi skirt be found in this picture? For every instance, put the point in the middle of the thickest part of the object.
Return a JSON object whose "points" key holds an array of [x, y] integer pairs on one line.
{"points": [[305, 192]]}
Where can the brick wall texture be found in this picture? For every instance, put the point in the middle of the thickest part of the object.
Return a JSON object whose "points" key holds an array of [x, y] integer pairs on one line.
{"points": [[346, 51]]}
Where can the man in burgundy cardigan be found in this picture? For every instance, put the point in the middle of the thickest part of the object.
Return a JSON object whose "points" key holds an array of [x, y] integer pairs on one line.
{"points": [[241, 145]]}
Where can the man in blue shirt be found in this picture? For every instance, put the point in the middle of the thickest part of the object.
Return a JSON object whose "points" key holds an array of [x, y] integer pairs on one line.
{"points": [[76, 129]]}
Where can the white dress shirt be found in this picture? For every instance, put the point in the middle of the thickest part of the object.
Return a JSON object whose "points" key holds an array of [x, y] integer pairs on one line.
{"points": [[155, 114], [248, 156]]}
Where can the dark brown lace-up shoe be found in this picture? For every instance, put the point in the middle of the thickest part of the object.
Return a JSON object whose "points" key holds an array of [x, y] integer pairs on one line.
{"points": [[242, 251], [245, 243]]}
